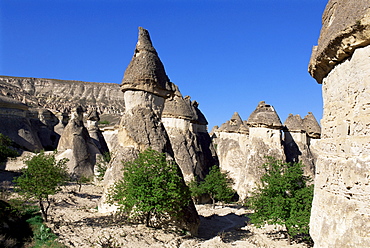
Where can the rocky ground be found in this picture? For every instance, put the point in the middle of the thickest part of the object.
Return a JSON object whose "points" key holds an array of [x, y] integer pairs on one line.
{"points": [[75, 219]]}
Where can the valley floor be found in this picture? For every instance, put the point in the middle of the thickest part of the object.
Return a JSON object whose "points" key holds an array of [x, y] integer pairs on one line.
{"points": [[75, 219]]}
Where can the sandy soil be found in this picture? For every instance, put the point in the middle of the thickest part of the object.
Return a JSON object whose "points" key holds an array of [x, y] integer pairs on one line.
{"points": [[75, 219]]}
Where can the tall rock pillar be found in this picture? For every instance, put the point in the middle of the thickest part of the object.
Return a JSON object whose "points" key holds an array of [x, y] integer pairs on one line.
{"points": [[341, 207], [145, 86]]}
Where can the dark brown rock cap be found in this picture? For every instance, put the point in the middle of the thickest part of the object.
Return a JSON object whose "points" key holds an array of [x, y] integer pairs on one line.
{"points": [[311, 126], [177, 107], [345, 27], [234, 125], [264, 116], [294, 123], [146, 71]]}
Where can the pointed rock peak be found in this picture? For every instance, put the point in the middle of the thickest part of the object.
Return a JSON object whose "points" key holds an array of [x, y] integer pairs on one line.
{"points": [[264, 116], [234, 125], [144, 43], [235, 119], [294, 123], [311, 126], [93, 115], [146, 71]]}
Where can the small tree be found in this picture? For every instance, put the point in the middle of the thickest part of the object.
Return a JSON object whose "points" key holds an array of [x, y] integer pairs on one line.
{"points": [[42, 177], [5, 150], [216, 184], [283, 197], [151, 187]]}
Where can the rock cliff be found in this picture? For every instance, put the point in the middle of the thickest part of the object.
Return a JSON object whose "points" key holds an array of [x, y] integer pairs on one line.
{"points": [[243, 145], [63, 95], [341, 205]]}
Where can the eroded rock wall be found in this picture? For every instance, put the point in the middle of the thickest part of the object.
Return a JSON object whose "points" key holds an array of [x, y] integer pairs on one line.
{"points": [[60, 95], [341, 205]]}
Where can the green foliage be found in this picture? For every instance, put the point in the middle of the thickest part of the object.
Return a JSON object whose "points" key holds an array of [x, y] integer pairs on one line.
{"points": [[151, 188], [283, 197], [5, 150], [101, 165], [42, 177], [217, 184], [104, 122]]}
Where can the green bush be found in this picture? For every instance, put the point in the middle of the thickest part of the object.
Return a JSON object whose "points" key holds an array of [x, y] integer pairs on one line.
{"points": [[283, 197], [151, 188], [42, 177], [216, 184], [5, 150]]}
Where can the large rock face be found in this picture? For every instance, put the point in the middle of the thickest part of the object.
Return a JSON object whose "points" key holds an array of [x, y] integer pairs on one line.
{"points": [[62, 95], [145, 86], [15, 123], [341, 205], [242, 146]]}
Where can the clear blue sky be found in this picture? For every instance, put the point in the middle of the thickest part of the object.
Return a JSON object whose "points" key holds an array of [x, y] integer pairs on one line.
{"points": [[226, 54]]}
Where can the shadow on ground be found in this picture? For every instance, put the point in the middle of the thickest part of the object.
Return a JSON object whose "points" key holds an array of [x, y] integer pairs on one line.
{"points": [[228, 227]]}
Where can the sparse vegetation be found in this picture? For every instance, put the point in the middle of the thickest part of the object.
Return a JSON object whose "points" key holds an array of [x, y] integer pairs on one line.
{"points": [[151, 189], [104, 122], [216, 184], [283, 197], [5, 150], [42, 177], [101, 165]]}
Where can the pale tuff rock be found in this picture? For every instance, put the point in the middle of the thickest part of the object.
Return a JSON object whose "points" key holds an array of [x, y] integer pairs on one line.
{"points": [[341, 206], [76, 145], [145, 86], [15, 124], [298, 145], [43, 122], [190, 141], [242, 146]]}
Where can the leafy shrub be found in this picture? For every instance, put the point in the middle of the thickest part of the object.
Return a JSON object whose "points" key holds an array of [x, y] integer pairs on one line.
{"points": [[216, 184], [42, 177], [151, 188], [283, 197], [5, 150]]}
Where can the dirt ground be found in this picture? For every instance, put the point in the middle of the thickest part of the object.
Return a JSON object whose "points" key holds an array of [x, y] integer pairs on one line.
{"points": [[75, 219]]}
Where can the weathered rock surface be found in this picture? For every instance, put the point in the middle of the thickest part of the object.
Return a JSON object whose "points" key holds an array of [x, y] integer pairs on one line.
{"points": [[300, 136], [145, 86], [63, 95], [15, 124], [95, 132], [76, 145], [341, 205], [345, 27], [243, 146], [187, 131]]}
